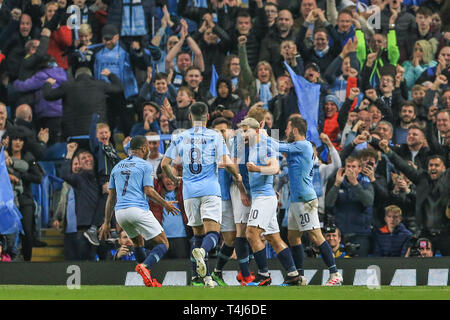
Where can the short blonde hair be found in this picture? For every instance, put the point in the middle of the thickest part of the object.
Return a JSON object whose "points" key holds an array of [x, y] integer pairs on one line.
{"points": [[102, 125], [257, 113], [85, 29], [394, 209]]}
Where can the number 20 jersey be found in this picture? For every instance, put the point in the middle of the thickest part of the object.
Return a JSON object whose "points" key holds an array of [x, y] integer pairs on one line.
{"points": [[200, 150], [129, 177]]}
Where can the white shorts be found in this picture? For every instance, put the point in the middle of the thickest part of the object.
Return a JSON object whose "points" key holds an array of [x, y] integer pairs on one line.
{"points": [[227, 224], [263, 214], [240, 211], [136, 221], [207, 207], [303, 216]]}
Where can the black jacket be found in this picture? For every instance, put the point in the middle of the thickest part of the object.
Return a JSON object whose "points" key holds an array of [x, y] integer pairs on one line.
{"points": [[431, 197], [81, 98], [87, 192]]}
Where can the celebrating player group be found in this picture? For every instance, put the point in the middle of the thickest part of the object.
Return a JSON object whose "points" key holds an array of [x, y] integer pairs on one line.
{"points": [[228, 190]]}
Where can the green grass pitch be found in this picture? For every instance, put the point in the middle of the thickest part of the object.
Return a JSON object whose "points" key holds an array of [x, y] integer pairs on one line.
{"points": [[19, 292]]}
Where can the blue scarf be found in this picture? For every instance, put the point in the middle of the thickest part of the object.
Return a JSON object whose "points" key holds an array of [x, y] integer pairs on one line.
{"points": [[322, 52], [265, 95], [133, 18]]}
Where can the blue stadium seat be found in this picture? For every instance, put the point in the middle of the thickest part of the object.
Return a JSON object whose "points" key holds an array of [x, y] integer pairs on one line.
{"points": [[56, 152]]}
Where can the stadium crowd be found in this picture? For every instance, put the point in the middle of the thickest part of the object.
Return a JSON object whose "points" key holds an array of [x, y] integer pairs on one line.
{"points": [[114, 69]]}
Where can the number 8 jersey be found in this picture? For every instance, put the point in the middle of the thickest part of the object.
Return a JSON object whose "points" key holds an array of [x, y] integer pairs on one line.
{"points": [[200, 150], [129, 177]]}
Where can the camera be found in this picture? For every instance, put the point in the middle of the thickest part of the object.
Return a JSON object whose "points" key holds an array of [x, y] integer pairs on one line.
{"points": [[420, 244], [220, 108]]}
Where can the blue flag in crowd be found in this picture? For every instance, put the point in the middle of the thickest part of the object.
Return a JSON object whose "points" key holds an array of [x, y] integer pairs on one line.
{"points": [[308, 95], [213, 84], [9, 214]]}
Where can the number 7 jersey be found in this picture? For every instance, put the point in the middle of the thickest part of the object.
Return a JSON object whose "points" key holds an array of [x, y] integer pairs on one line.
{"points": [[200, 150], [128, 178]]}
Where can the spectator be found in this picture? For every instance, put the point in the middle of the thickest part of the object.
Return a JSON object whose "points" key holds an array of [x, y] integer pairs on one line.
{"points": [[82, 97], [414, 150], [425, 247], [321, 53], [65, 216], [408, 113], [155, 157], [125, 248], [150, 115], [431, 201], [48, 113], [226, 103], [117, 59], [403, 194], [175, 226], [87, 192], [262, 87], [83, 55], [392, 240], [214, 43], [253, 33], [422, 59], [183, 58], [350, 199], [194, 80], [61, 36], [185, 98], [159, 90], [232, 70], [284, 31], [334, 238], [106, 157], [442, 67], [23, 124], [25, 171]]}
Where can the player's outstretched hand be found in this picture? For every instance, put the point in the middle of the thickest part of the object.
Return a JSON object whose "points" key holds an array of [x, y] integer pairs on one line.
{"points": [[104, 231], [170, 207]]}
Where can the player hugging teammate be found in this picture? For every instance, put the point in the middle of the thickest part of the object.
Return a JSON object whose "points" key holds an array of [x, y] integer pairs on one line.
{"points": [[232, 193]]}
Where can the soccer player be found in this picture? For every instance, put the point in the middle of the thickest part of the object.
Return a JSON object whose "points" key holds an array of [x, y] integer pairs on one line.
{"points": [[201, 150], [303, 209], [130, 182], [262, 166], [239, 203]]}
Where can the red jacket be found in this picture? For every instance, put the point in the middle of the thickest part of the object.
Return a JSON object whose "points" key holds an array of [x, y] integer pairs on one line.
{"points": [[60, 40], [158, 210], [331, 128]]}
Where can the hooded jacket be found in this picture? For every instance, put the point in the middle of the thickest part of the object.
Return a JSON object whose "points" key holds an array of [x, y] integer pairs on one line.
{"points": [[232, 102], [44, 108]]}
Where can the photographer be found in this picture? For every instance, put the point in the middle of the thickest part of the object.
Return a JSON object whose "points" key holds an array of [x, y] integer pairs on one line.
{"points": [[125, 250], [423, 248], [334, 237], [392, 240]]}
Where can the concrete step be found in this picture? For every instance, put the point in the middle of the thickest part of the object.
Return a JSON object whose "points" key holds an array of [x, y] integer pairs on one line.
{"points": [[48, 252], [47, 259], [52, 233], [53, 241]]}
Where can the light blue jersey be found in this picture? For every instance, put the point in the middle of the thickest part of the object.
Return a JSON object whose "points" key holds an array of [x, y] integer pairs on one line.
{"points": [[200, 150], [128, 178], [260, 153], [225, 179], [239, 150], [300, 157]]}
